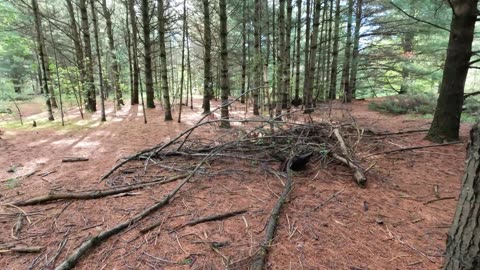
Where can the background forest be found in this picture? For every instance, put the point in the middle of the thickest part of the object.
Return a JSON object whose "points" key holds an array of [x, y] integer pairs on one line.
{"points": [[288, 52]]}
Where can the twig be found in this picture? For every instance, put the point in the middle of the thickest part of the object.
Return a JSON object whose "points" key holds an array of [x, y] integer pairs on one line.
{"points": [[329, 199], [413, 148], [439, 199], [211, 218]]}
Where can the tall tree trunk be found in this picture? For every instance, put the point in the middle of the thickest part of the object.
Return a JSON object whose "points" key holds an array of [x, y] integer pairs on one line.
{"points": [[54, 47], [163, 61], [280, 60], [463, 238], [312, 60], [41, 55], [244, 51], [207, 59], [446, 121], [356, 45], [329, 52], [136, 68], [266, 81], [346, 62], [333, 73], [128, 43], [306, 51], [99, 59], [224, 83], [77, 43], [147, 46], [296, 100], [258, 58], [286, 70], [111, 44], [184, 33], [91, 104]]}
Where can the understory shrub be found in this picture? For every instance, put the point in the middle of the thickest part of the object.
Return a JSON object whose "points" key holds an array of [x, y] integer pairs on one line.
{"points": [[403, 104]]}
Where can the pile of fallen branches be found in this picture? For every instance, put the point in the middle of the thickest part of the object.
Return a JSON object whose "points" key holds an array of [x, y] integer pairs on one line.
{"points": [[280, 146]]}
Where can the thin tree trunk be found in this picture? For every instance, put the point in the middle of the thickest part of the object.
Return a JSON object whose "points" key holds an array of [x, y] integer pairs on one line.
{"points": [[312, 59], [347, 92], [128, 43], [134, 41], [111, 44], [90, 83], [41, 55], [57, 73], [333, 73], [258, 58], [183, 59], [296, 100], [266, 81], [207, 59], [99, 59], [147, 46], [244, 51], [281, 91], [77, 43], [225, 88], [306, 60], [356, 45], [286, 68], [163, 61]]}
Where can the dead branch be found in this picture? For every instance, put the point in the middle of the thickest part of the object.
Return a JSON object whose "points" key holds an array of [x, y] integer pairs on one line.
{"points": [[86, 246], [94, 194], [414, 148], [358, 172], [400, 132], [23, 249], [212, 218], [259, 259], [74, 159]]}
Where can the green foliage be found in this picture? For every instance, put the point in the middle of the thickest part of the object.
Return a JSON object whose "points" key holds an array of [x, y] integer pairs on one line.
{"points": [[403, 104]]}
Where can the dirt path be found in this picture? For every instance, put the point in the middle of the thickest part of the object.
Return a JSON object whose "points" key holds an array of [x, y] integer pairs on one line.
{"points": [[386, 226]]}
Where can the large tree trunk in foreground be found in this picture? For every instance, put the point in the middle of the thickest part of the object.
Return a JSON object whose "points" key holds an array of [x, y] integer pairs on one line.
{"points": [[464, 237], [446, 121]]}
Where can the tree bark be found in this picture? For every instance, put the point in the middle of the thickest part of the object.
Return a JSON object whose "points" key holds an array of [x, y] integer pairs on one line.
{"points": [[296, 100], [207, 59], [111, 44], [280, 61], [286, 68], [244, 51], [464, 235], [258, 58], [99, 59], [312, 60], [356, 42], [91, 104], [224, 83], [147, 54], [41, 55], [347, 60], [77, 42], [134, 41], [446, 121], [333, 73], [163, 61]]}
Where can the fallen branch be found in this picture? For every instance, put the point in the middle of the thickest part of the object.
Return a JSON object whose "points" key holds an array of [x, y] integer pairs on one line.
{"points": [[414, 148], [23, 249], [74, 159], [439, 199], [73, 259], [358, 172], [259, 259], [212, 218], [95, 194], [401, 132]]}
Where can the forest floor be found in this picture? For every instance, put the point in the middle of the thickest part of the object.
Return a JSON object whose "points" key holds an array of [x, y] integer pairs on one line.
{"points": [[328, 222]]}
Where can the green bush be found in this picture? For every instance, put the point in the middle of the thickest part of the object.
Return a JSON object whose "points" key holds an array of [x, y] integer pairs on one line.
{"points": [[403, 104]]}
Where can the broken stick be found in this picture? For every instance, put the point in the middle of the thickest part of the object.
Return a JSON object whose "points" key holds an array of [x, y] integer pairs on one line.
{"points": [[211, 218], [74, 159]]}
